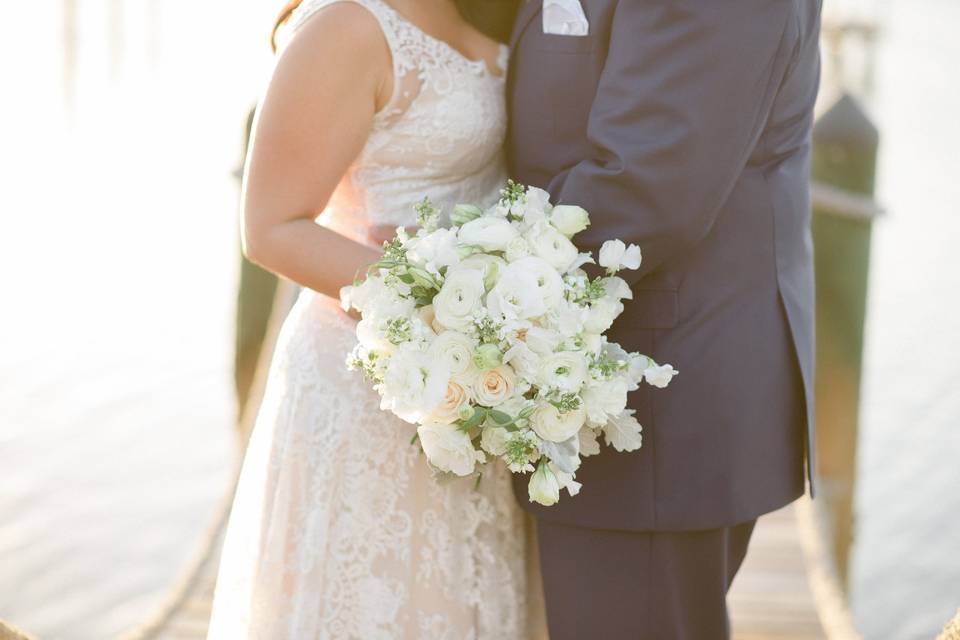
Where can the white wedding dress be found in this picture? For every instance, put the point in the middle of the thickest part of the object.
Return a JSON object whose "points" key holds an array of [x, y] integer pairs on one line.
{"points": [[338, 529]]}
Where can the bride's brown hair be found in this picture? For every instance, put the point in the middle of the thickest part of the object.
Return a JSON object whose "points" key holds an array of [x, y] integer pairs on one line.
{"points": [[492, 17]]}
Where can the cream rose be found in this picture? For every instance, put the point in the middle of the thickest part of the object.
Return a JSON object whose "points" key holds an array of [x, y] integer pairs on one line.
{"points": [[448, 411], [494, 386], [550, 424]]}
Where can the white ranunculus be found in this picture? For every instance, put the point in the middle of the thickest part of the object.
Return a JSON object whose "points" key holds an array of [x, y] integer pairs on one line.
{"points": [[601, 314], [544, 488], [623, 432], [413, 384], [614, 255], [435, 250], [548, 423], [454, 349], [604, 399], [518, 248], [448, 410], [548, 280], [516, 297], [569, 220], [659, 375], [493, 440], [494, 386], [492, 234], [588, 441], [459, 299], [566, 370], [552, 246], [448, 448]]}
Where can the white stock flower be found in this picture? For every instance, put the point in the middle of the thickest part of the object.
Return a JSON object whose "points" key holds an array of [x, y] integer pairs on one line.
{"points": [[548, 423], [566, 371], [492, 234], [459, 298], [623, 432], [448, 448], [546, 277], [603, 399], [569, 220], [614, 255], [552, 246], [659, 375], [544, 488], [494, 386]]}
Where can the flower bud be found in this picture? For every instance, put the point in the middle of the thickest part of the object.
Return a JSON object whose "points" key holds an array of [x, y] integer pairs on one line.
{"points": [[464, 213], [487, 356]]}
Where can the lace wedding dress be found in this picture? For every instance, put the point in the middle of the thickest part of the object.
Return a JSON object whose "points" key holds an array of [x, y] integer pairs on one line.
{"points": [[338, 528]]}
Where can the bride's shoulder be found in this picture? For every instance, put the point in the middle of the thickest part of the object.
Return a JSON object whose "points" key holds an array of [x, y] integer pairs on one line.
{"points": [[332, 28]]}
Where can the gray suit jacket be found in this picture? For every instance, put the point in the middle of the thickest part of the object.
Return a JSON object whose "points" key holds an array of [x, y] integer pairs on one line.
{"points": [[684, 126]]}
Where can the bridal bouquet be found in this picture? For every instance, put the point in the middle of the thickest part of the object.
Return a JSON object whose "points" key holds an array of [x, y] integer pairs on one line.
{"points": [[489, 336]]}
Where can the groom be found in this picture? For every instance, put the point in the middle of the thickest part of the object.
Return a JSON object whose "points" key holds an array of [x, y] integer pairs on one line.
{"points": [[682, 126]]}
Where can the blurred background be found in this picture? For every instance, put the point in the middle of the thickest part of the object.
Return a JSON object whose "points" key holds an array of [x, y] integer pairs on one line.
{"points": [[121, 131]]}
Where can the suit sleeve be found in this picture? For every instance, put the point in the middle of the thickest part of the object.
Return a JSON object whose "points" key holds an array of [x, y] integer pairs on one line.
{"points": [[683, 96]]}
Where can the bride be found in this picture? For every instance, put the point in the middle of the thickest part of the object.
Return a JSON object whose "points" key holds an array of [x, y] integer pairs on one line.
{"points": [[338, 529]]}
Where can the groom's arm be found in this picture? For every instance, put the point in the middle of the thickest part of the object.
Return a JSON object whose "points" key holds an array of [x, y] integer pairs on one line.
{"points": [[682, 99]]}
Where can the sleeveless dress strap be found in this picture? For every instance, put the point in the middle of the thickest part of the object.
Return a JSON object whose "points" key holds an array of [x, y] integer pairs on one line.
{"points": [[391, 25]]}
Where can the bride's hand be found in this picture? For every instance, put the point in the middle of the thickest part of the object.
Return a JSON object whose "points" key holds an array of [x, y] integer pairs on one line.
{"points": [[380, 233]]}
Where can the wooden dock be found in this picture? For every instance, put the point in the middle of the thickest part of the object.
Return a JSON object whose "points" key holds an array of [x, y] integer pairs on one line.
{"points": [[773, 597]]}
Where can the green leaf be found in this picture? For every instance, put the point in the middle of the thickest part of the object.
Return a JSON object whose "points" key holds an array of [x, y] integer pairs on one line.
{"points": [[499, 417]]}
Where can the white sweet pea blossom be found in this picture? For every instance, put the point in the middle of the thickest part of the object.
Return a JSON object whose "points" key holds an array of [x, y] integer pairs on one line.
{"points": [[435, 250], [615, 255], [569, 220], [492, 234], [448, 448], [565, 480], [601, 314], [604, 399], [460, 296], [659, 375], [523, 360]]}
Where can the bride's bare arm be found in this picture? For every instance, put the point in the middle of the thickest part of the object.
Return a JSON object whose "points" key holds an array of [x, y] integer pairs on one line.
{"points": [[312, 122]]}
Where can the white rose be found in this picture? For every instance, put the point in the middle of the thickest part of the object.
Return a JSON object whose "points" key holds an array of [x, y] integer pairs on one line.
{"points": [[552, 246], [566, 370], [622, 432], [569, 220], [548, 423], [494, 386], [448, 411], [601, 314], [659, 375], [604, 399], [435, 250], [413, 384], [614, 255], [448, 448], [548, 280], [516, 297], [459, 298], [492, 234], [544, 488]]}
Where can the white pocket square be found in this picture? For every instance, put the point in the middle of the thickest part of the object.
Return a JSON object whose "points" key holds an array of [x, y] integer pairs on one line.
{"points": [[564, 18]]}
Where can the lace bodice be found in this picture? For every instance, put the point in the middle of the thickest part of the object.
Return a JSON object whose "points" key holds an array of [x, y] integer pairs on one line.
{"points": [[439, 135]]}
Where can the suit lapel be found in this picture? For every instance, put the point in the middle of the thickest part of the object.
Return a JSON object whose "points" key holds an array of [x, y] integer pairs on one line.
{"points": [[525, 14]]}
